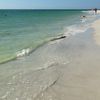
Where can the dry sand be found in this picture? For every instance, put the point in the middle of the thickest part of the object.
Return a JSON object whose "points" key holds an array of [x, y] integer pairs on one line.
{"points": [[96, 27], [98, 11]]}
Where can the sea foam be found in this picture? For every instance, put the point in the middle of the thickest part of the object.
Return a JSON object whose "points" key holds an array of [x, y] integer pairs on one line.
{"points": [[23, 52], [75, 29]]}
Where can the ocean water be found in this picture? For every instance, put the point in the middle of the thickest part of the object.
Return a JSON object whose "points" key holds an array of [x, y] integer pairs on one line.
{"points": [[24, 30]]}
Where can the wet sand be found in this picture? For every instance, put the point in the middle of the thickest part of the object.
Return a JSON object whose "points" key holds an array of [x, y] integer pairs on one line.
{"points": [[65, 69]]}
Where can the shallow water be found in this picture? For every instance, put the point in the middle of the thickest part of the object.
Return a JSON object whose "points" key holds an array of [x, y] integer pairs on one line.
{"points": [[22, 29]]}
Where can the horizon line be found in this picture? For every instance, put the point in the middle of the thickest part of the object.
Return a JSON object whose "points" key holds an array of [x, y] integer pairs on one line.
{"points": [[47, 9]]}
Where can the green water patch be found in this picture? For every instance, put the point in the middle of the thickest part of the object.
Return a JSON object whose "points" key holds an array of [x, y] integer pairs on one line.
{"points": [[6, 58]]}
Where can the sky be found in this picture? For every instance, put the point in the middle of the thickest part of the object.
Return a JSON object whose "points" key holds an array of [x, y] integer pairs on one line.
{"points": [[49, 4]]}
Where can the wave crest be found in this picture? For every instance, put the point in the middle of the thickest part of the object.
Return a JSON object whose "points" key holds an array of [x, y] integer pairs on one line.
{"points": [[23, 52]]}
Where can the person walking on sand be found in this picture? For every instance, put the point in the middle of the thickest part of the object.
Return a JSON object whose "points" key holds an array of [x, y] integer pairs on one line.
{"points": [[95, 9]]}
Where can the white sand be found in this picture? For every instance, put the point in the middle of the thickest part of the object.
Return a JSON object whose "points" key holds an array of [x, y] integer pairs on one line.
{"points": [[98, 12], [96, 27]]}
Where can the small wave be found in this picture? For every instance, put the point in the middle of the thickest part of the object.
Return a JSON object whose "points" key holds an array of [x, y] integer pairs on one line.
{"points": [[74, 29], [28, 51], [23, 52], [88, 12]]}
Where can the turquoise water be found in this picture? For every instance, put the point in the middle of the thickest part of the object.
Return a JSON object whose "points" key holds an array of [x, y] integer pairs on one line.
{"points": [[22, 29]]}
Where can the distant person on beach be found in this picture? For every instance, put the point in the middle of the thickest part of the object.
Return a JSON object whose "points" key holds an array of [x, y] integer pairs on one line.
{"points": [[95, 10]]}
